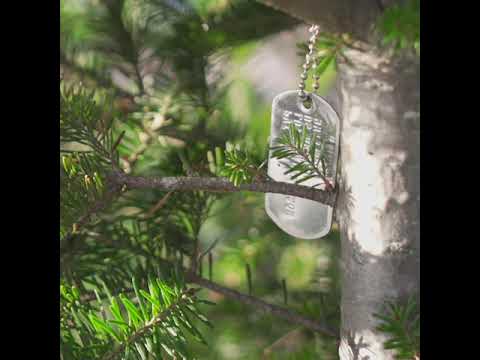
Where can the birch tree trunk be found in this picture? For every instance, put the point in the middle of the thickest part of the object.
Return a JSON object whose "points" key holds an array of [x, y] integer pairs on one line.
{"points": [[379, 202], [379, 199]]}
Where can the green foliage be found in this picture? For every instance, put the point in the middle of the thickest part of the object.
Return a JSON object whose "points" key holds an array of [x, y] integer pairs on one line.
{"points": [[400, 25], [216, 162], [234, 163], [238, 167], [152, 321], [131, 246], [307, 160], [402, 323], [155, 111], [87, 153], [82, 120], [81, 186]]}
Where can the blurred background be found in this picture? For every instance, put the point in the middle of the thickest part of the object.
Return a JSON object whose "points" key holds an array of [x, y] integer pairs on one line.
{"points": [[218, 64]]}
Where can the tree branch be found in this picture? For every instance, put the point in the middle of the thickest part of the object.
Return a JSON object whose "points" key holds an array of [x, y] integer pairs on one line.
{"points": [[96, 207], [149, 325], [275, 310], [257, 303], [303, 10], [333, 16], [215, 184]]}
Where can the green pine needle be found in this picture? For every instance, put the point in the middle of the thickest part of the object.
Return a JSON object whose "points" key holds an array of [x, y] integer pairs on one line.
{"points": [[402, 323], [304, 159]]}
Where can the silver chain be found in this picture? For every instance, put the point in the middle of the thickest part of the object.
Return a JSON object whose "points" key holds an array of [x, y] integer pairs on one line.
{"points": [[310, 58]]}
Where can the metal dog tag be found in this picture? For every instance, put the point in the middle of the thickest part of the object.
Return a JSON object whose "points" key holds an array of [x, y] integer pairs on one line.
{"points": [[298, 217]]}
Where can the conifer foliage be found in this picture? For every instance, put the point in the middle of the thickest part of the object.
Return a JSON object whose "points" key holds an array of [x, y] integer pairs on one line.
{"points": [[124, 253], [137, 98]]}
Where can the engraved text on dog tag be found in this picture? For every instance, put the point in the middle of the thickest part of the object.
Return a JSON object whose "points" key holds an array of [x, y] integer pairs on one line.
{"points": [[303, 218]]}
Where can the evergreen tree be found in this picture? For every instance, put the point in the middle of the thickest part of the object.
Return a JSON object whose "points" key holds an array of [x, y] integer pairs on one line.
{"points": [[149, 148]]}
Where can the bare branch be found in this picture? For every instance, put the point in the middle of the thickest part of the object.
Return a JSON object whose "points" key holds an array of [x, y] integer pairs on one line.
{"points": [[257, 303], [302, 10], [216, 184], [333, 16]]}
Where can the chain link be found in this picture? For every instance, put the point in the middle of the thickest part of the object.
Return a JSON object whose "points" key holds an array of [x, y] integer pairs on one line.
{"points": [[310, 59]]}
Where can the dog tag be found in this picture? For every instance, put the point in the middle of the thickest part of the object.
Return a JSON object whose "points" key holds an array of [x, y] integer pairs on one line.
{"points": [[298, 217]]}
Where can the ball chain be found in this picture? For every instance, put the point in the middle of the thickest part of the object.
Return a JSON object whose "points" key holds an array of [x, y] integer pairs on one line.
{"points": [[309, 58]]}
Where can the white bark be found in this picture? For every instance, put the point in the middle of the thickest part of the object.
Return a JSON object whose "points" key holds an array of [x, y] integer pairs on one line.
{"points": [[379, 201]]}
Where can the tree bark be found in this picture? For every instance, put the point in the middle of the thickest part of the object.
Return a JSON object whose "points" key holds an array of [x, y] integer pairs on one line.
{"points": [[335, 16], [218, 184], [379, 198]]}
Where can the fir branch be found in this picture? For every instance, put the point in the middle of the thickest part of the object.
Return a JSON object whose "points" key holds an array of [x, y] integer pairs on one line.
{"points": [[97, 207], [255, 302], [216, 184], [306, 159], [184, 297], [401, 322]]}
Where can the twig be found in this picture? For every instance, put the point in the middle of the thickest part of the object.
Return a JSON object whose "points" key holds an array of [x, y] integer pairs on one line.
{"points": [[257, 303], [284, 290], [217, 184], [159, 204], [210, 248], [210, 268], [249, 279], [117, 142]]}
